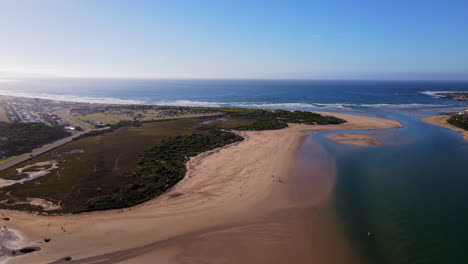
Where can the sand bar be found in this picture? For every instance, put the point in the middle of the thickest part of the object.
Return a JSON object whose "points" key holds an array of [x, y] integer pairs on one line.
{"points": [[356, 139], [234, 206], [441, 120]]}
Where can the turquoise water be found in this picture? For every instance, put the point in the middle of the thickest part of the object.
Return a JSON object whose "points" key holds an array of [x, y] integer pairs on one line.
{"points": [[411, 194]]}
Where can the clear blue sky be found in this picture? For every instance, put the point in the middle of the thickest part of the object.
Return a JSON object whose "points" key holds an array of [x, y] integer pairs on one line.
{"points": [[412, 39]]}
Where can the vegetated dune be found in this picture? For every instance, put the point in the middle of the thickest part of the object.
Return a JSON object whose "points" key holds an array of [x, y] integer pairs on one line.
{"points": [[235, 205], [441, 120]]}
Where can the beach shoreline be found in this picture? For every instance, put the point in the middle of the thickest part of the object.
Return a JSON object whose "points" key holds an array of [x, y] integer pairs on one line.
{"points": [[441, 120], [231, 196]]}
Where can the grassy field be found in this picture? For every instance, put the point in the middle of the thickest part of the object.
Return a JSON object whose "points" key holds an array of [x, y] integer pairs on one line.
{"points": [[93, 166], [107, 169], [109, 118], [103, 118], [3, 161]]}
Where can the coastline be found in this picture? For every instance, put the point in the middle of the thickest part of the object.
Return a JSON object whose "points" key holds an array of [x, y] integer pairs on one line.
{"points": [[441, 120], [230, 195]]}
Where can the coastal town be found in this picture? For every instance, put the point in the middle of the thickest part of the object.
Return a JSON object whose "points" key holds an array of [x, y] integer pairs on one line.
{"points": [[73, 115], [33, 110], [30, 126]]}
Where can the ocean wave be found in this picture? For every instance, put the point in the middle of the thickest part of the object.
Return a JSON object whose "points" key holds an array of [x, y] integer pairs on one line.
{"points": [[401, 106], [290, 105], [250, 104], [294, 106], [435, 94], [73, 98], [191, 103], [194, 103]]}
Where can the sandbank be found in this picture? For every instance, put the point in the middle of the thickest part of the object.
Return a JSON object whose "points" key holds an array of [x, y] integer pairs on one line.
{"points": [[355, 139]]}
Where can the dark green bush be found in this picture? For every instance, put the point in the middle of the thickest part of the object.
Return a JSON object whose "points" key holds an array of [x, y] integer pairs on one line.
{"points": [[277, 119], [458, 121], [161, 167], [19, 138]]}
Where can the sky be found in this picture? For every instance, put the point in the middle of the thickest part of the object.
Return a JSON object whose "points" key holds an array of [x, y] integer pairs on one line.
{"points": [[323, 39]]}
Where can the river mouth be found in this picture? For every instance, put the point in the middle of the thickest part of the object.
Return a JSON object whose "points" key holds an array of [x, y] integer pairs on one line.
{"points": [[314, 178], [409, 195]]}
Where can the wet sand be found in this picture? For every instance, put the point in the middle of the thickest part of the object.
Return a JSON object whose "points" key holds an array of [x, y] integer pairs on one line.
{"points": [[355, 139], [237, 204], [441, 120]]}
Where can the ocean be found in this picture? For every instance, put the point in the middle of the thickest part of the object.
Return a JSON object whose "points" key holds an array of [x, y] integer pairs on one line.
{"points": [[411, 193], [284, 94]]}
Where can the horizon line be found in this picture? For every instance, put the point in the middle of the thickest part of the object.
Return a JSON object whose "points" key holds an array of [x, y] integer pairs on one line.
{"points": [[19, 79]]}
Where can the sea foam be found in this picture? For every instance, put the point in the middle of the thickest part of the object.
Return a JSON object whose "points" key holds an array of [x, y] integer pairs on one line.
{"points": [[294, 106], [72, 98], [435, 94]]}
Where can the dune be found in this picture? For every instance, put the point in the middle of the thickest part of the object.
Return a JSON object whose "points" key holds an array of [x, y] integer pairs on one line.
{"points": [[237, 204]]}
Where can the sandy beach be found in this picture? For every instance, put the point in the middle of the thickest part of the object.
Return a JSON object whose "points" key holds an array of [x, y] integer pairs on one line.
{"points": [[235, 205], [441, 120]]}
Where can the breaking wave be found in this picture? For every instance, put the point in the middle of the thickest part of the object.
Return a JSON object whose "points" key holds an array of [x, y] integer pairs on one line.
{"points": [[73, 98], [262, 105], [435, 94], [294, 106]]}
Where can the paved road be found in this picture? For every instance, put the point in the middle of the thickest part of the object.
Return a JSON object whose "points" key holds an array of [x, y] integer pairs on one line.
{"points": [[39, 151], [64, 115]]}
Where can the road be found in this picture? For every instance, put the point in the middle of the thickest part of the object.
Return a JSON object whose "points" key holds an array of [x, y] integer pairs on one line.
{"points": [[64, 115], [3, 114], [39, 151]]}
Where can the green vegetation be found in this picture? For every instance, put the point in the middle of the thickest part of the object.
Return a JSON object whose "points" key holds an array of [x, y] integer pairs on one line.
{"points": [[114, 114], [161, 167], [19, 138], [455, 96], [132, 162], [277, 119], [458, 120], [110, 128], [92, 166]]}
